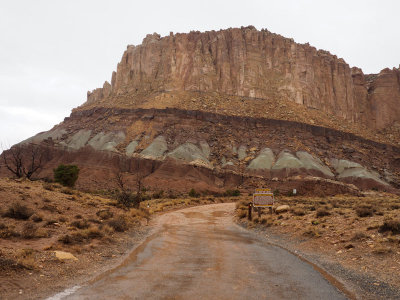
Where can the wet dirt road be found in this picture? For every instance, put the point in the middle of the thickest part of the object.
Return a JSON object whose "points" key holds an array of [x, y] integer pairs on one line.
{"points": [[200, 253]]}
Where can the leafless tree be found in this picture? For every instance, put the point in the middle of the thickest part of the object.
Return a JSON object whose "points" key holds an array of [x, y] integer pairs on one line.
{"points": [[24, 160], [125, 196]]}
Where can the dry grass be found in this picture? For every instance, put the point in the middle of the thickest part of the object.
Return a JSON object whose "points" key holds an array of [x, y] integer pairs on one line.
{"points": [[361, 232], [18, 211]]}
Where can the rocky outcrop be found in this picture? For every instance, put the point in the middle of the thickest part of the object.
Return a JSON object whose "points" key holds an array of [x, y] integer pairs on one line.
{"points": [[286, 160], [257, 64], [264, 161], [190, 153], [312, 163], [156, 149], [107, 141], [351, 172]]}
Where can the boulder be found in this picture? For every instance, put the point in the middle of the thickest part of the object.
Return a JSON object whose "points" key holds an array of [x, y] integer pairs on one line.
{"points": [[282, 208], [61, 255]]}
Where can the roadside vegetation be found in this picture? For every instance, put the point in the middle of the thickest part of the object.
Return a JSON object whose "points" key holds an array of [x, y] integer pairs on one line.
{"points": [[50, 216], [360, 232]]}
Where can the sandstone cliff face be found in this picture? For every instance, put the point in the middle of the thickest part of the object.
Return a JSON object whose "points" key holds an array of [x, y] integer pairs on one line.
{"points": [[257, 64]]}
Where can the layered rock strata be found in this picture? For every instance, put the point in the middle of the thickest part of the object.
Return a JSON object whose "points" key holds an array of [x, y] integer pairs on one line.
{"points": [[254, 64]]}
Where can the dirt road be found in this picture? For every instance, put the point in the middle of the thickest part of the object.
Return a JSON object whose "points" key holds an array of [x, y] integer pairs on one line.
{"points": [[200, 253]]}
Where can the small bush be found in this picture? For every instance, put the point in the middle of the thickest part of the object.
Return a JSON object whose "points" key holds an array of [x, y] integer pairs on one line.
{"points": [[298, 212], [50, 222], [364, 211], [359, 236], [104, 214], [158, 195], [382, 250], [193, 193], [232, 193], [18, 211], [322, 212], [93, 232], [76, 237], [128, 199], [6, 232], [67, 175], [390, 225], [29, 231], [118, 224], [276, 192], [242, 214], [80, 224], [48, 186], [36, 218], [67, 191]]}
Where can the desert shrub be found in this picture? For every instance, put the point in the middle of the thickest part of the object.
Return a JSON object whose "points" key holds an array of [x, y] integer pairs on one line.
{"points": [[26, 258], [232, 193], [118, 224], [276, 192], [311, 232], [80, 224], [298, 211], [48, 186], [67, 175], [104, 214], [107, 229], [359, 236], [382, 250], [242, 214], [193, 193], [158, 195], [390, 225], [29, 231], [322, 212], [266, 221], [36, 218], [50, 208], [18, 211], [51, 222], [76, 237], [67, 191], [364, 211], [395, 206], [7, 232], [93, 232], [171, 195], [128, 199]]}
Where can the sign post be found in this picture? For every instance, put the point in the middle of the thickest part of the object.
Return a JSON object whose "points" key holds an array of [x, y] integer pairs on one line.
{"points": [[263, 198]]}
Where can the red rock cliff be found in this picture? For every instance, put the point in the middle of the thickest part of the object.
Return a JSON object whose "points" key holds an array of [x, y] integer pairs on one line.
{"points": [[260, 64]]}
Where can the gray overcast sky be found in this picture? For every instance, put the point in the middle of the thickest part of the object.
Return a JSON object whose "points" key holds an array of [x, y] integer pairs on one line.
{"points": [[52, 52]]}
